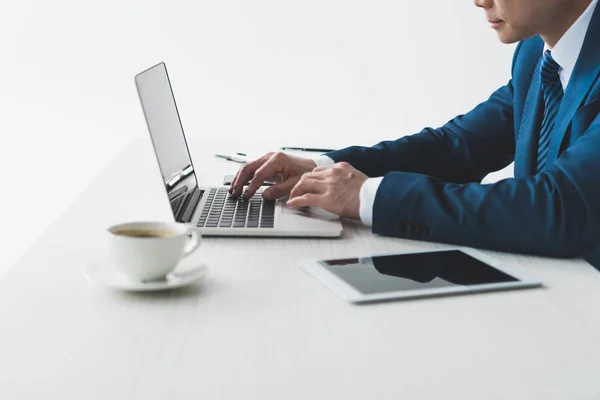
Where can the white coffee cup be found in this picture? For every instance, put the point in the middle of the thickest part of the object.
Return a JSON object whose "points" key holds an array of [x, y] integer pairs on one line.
{"points": [[145, 251]]}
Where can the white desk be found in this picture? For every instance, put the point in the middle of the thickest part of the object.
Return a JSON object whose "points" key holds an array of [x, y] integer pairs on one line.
{"points": [[260, 328]]}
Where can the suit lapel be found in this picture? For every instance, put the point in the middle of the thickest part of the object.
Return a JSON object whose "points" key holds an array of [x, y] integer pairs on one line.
{"points": [[526, 151], [586, 70]]}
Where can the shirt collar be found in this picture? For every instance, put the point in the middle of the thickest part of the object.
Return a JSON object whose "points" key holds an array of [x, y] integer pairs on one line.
{"points": [[566, 51]]}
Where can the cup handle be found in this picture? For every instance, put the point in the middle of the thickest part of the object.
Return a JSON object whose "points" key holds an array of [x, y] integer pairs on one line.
{"points": [[193, 242]]}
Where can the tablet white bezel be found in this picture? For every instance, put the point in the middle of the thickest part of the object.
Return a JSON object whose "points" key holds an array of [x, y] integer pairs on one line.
{"points": [[316, 268]]}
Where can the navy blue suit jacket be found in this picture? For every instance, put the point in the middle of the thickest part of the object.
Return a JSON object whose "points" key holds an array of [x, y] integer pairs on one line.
{"points": [[431, 188]]}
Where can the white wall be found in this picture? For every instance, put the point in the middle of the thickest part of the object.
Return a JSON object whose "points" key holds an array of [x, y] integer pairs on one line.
{"points": [[315, 72]]}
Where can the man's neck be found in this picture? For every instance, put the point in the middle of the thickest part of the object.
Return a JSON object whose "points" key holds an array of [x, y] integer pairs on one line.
{"points": [[565, 18]]}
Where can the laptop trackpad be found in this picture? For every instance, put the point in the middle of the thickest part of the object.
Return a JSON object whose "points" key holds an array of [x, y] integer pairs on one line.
{"points": [[310, 212]]}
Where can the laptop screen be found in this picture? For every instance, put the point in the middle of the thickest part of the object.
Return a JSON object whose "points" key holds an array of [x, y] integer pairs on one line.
{"points": [[164, 124]]}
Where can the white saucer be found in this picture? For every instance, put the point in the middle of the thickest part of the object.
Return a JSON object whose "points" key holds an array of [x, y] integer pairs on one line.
{"points": [[104, 273]]}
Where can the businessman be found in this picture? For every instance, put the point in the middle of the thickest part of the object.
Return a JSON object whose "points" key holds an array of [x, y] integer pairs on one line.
{"points": [[427, 186]]}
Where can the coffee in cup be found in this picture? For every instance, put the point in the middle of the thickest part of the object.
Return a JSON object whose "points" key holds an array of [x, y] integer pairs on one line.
{"points": [[144, 233], [145, 251]]}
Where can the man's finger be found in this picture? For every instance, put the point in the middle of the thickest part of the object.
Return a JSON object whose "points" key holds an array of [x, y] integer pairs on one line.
{"points": [[306, 200], [237, 185], [317, 175], [279, 190], [322, 168], [241, 177], [275, 179], [270, 168], [307, 185], [245, 173]]}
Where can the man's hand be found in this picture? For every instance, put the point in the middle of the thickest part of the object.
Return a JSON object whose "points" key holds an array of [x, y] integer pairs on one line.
{"points": [[335, 188], [289, 167]]}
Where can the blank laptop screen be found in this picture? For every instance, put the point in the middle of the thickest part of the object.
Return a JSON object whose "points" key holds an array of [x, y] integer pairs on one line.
{"points": [[163, 121]]}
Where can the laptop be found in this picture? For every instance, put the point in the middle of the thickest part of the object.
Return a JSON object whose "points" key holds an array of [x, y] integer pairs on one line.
{"points": [[211, 209]]}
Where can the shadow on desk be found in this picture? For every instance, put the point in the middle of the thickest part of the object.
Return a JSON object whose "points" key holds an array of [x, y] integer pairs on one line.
{"points": [[195, 290]]}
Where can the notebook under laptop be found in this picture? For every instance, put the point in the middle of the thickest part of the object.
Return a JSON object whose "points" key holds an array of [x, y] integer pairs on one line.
{"points": [[210, 208]]}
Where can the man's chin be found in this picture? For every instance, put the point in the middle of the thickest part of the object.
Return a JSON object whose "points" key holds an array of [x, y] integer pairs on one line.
{"points": [[510, 37]]}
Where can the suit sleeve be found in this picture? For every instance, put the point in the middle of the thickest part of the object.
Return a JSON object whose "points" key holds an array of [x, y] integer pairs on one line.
{"points": [[555, 213], [464, 150]]}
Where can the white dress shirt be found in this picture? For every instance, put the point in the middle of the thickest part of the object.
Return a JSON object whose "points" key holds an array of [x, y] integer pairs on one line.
{"points": [[565, 53], [567, 49]]}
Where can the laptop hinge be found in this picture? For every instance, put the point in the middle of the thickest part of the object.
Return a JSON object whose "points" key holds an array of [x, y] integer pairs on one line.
{"points": [[191, 206]]}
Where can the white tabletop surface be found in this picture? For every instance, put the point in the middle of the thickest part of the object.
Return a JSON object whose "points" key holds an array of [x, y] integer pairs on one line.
{"points": [[260, 328]]}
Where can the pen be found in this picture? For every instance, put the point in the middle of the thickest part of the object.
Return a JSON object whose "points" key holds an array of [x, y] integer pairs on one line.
{"points": [[307, 149], [239, 158]]}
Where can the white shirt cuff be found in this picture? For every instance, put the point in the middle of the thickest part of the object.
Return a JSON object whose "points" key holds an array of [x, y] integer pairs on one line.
{"points": [[367, 199], [323, 160]]}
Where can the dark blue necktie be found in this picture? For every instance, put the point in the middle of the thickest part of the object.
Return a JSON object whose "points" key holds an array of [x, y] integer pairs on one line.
{"points": [[553, 94]]}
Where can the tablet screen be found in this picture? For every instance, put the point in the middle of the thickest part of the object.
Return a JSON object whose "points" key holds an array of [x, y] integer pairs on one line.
{"points": [[401, 272]]}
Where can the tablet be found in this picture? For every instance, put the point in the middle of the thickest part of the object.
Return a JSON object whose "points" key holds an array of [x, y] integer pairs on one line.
{"points": [[411, 275]]}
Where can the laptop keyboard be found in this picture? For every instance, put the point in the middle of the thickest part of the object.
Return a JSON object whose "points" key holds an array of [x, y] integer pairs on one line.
{"points": [[223, 211]]}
